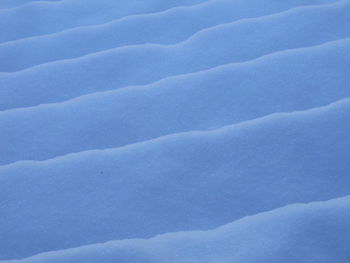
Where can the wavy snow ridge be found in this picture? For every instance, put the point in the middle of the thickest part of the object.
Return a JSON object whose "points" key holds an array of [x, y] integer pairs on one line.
{"points": [[151, 126], [39, 18], [179, 104], [167, 27], [143, 64], [267, 237], [168, 184]]}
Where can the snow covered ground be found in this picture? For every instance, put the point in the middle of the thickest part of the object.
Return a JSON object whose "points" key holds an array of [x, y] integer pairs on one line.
{"points": [[209, 131]]}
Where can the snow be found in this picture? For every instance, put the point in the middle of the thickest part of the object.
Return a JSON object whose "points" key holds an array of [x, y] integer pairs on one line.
{"points": [[174, 131]]}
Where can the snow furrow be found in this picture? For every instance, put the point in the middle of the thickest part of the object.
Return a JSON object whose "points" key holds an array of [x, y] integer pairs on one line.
{"points": [[176, 183], [198, 101], [158, 28], [144, 64]]}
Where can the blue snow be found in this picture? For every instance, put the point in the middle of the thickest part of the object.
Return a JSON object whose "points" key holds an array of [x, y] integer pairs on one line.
{"points": [[174, 131]]}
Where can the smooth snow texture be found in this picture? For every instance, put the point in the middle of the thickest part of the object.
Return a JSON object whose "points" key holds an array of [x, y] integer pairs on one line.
{"points": [[39, 18], [17, 3], [167, 27], [143, 64], [276, 236], [194, 180], [198, 101], [174, 130]]}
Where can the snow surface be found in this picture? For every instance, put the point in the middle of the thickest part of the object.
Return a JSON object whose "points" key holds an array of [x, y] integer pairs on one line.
{"points": [[175, 131]]}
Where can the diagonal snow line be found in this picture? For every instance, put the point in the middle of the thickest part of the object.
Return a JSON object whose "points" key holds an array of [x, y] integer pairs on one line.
{"points": [[197, 34], [74, 27], [174, 77], [131, 17], [286, 209], [269, 117]]}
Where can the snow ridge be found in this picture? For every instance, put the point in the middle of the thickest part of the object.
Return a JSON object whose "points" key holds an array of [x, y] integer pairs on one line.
{"points": [[174, 131]]}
